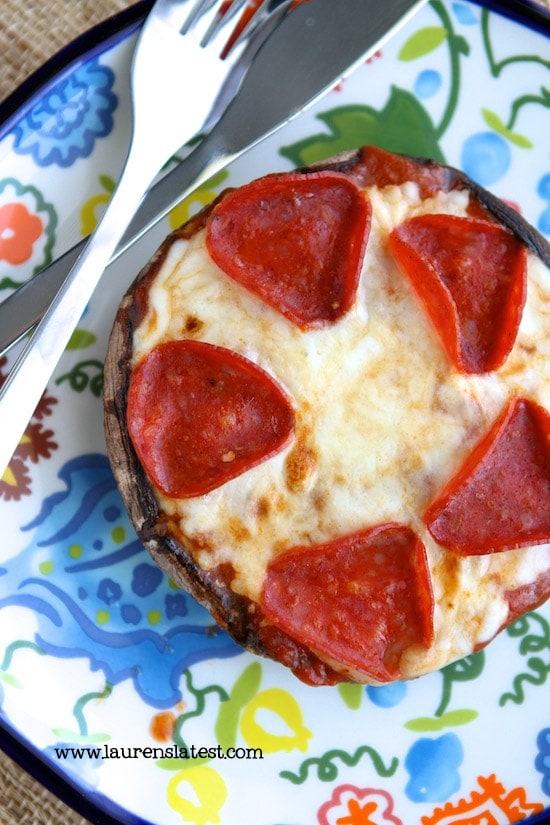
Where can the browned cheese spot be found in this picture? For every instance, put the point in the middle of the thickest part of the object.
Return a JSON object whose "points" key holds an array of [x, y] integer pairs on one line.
{"points": [[299, 467], [193, 324]]}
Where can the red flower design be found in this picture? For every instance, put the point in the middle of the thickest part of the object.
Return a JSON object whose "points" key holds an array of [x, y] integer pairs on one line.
{"points": [[350, 805], [19, 229], [44, 406], [36, 443], [376, 56], [15, 483]]}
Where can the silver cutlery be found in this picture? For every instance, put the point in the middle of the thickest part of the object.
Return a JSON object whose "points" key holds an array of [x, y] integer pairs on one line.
{"points": [[292, 50], [179, 39]]}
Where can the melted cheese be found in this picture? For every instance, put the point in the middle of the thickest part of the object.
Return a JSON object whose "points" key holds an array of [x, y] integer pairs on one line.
{"points": [[382, 422]]}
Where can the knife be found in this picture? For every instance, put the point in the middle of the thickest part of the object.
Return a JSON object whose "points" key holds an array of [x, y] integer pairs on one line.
{"points": [[314, 47]]}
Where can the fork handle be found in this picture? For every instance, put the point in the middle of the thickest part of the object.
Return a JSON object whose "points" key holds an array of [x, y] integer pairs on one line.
{"points": [[31, 372]]}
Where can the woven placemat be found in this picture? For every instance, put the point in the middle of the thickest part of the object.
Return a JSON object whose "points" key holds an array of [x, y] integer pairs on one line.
{"points": [[31, 31], [26, 802]]}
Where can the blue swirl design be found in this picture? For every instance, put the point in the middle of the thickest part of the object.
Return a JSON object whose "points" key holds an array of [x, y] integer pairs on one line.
{"points": [[64, 124], [542, 761], [96, 593]]}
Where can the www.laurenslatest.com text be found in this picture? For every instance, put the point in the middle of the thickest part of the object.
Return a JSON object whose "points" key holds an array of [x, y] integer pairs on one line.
{"points": [[168, 752]]}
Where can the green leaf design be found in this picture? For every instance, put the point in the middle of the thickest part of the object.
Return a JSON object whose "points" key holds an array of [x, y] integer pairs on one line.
{"points": [[497, 124], [423, 724], [351, 694], [107, 183], [493, 120], [519, 140], [422, 42], [462, 46], [451, 719], [8, 679], [403, 125], [244, 690], [68, 735], [80, 339]]}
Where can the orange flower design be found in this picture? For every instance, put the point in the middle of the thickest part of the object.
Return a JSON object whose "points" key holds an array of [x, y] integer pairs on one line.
{"points": [[358, 814], [19, 229], [488, 805]]}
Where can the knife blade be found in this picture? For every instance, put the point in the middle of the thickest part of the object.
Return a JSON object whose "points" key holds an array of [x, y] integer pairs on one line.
{"points": [[313, 48]]}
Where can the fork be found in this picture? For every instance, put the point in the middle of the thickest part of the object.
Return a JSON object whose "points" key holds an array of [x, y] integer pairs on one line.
{"points": [[202, 46]]}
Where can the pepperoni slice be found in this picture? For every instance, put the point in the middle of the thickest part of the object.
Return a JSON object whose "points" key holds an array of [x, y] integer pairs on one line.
{"points": [[471, 277], [361, 599], [528, 597], [500, 498], [296, 241], [377, 167], [199, 415]]}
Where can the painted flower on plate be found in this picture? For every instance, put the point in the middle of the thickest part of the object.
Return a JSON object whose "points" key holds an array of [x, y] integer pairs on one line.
{"points": [[433, 767], [19, 229], [37, 443], [27, 232], [350, 805], [65, 123]]}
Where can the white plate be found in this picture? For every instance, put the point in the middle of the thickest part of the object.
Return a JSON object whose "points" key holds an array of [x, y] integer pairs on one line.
{"points": [[97, 650]]}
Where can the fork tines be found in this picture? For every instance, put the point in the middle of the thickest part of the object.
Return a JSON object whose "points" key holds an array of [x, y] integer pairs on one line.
{"points": [[227, 10]]}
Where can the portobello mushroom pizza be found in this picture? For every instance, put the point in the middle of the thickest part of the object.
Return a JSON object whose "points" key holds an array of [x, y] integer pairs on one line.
{"points": [[327, 408]]}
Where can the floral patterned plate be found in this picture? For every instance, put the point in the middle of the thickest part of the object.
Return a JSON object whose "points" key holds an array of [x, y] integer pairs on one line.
{"points": [[116, 689]]}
